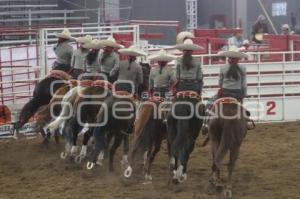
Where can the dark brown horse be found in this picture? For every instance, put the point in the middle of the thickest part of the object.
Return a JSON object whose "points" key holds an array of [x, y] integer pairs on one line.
{"points": [[44, 114], [227, 129], [86, 107], [115, 119], [184, 124], [42, 95]]}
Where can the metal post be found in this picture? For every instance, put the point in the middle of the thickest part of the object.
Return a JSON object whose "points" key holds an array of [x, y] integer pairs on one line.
{"points": [[1, 85], [234, 14], [65, 16], [99, 15], [29, 24], [283, 84]]}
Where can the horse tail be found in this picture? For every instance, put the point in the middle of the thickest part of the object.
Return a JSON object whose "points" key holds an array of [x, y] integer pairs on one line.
{"points": [[143, 128], [144, 114], [27, 112], [68, 100], [227, 140]]}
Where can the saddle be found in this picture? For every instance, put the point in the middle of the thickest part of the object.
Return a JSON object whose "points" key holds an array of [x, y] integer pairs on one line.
{"points": [[98, 83], [188, 94], [226, 100], [124, 94], [156, 99], [73, 82], [59, 74]]}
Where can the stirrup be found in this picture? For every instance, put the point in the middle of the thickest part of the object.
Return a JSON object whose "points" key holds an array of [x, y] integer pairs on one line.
{"points": [[250, 127], [204, 129]]}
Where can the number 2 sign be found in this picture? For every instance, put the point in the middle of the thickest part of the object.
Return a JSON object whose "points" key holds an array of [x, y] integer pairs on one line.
{"points": [[271, 105]]}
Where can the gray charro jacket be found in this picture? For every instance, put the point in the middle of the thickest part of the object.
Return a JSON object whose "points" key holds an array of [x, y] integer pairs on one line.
{"points": [[94, 67], [163, 80], [63, 52], [78, 58], [134, 74], [109, 63], [229, 83], [195, 73]]}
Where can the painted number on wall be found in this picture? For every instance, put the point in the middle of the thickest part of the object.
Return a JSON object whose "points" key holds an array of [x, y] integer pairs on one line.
{"points": [[271, 105]]}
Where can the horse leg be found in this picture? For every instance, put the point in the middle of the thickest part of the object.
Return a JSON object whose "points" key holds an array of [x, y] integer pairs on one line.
{"points": [[100, 144], [151, 159], [131, 157], [124, 161], [172, 151], [68, 140], [56, 136], [215, 176], [110, 136], [232, 159], [113, 149], [84, 148]]}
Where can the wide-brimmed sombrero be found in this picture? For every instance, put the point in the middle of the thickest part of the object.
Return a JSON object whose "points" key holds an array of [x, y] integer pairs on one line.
{"points": [[65, 34], [183, 36], [132, 51], [110, 42], [94, 44], [188, 44], [233, 52], [162, 56], [83, 40], [259, 36]]}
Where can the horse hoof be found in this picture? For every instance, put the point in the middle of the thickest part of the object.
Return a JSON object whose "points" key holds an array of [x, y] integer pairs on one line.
{"points": [[211, 188], [78, 159], [63, 155], [148, 177], [128, 172], [227, 193], [90, 165], [182, 178]]}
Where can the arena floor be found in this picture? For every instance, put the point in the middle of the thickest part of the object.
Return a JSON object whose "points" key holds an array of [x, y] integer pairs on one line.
{"points": [[268, 168]]}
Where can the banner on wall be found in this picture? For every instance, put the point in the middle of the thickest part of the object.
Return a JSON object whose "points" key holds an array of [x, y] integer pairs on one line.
{"points": [[8, 130]]}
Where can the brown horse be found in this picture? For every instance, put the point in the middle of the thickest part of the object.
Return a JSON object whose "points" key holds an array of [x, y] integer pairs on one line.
{"points": [[149, 132], [227, 129]]}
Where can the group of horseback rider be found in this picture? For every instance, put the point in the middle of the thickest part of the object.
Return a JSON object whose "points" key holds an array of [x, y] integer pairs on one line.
{"points": [[89, 59]]}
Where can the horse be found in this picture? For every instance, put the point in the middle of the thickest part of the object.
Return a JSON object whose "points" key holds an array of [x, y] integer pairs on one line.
{"points": [[42, 95], [149, 132], [86, 107], [184, 124], [44, 114], [227, 128], [115, 119]]}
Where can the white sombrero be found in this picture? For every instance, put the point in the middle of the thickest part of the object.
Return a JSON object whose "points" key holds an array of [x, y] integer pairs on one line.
{"points": [[132, 51], [285, 27], [188, 44], [110, 42], [259, 36], [66, 34], [183, 36], [94, 44], [162, 55], [83, 40], [233, 52]]}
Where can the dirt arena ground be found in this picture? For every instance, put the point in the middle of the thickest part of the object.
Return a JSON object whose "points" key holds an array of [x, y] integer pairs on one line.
{"points": [[268, 168]]}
